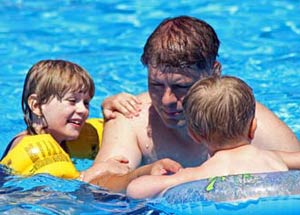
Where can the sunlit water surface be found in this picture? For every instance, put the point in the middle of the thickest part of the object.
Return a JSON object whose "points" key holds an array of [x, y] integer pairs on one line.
{"points": [[260, 43]]}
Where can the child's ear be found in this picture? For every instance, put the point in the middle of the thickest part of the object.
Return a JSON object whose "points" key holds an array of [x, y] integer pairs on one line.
{"points": [[252, 128], [194, 136], [217, 68], [34, 105]]}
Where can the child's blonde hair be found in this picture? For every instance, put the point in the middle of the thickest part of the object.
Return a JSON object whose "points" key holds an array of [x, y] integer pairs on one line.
{"points": [[50, 79], [220, 109]]}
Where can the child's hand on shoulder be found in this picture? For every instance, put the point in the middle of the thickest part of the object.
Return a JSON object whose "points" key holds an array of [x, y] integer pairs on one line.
{"points": [[127, 104]]}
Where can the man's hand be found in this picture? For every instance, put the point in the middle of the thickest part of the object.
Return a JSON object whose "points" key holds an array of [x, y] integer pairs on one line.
{"points": [[113, 166], [124, 103], [164, 167]]}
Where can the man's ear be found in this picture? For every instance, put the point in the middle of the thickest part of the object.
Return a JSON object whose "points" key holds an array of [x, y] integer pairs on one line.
{"points": [[252, 128], [217, 68], [34, 105], [194, 136]]}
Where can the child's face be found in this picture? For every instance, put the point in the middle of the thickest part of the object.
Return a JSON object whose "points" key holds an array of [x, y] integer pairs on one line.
{"points": [[66, 118]]}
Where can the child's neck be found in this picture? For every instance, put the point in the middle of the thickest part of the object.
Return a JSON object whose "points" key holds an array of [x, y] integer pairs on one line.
{"points": [[216, 147], [64, 146]]}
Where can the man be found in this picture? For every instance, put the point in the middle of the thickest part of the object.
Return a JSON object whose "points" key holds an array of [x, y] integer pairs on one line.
{"points": [[178, 53]]}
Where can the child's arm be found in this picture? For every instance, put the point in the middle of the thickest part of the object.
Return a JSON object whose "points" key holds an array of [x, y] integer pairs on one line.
{"points": [[151, 185], [291, 159], [148, 186], [118, 183]]}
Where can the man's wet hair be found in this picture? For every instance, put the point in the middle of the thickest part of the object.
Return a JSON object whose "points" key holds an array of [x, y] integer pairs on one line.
{"points": [[181, 42]]}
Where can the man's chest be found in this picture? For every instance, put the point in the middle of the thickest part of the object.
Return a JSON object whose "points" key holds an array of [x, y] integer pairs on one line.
{"points": [[163, 146]]}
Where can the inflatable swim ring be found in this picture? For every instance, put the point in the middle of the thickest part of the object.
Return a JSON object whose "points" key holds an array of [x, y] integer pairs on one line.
{"points": [[42, 154], [263, 193]]}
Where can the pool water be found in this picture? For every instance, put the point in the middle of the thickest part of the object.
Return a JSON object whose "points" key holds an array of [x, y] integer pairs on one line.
{"points": [[260, 43]]}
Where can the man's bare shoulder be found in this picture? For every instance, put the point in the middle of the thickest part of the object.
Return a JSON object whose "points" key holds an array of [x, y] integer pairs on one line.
{"points": [[144, 97], [272, 133], [143, 116], [136, 125]]}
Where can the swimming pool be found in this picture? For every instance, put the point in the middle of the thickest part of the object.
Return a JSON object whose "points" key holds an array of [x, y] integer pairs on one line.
{"points": [[260, 42]]}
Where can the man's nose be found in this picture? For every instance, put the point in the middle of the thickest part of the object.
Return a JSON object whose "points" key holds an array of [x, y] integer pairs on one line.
{"points": [[168, 97]]}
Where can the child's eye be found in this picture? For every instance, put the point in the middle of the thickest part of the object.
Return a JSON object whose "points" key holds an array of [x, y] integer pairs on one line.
{"points": [[71, 100], [87, 104]]}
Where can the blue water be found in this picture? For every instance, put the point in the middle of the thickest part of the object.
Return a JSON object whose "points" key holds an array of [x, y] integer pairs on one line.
{"points": [[260, 42]]}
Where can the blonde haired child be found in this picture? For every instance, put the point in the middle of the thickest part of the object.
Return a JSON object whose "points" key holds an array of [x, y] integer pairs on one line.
{"points": [[220, 114]]}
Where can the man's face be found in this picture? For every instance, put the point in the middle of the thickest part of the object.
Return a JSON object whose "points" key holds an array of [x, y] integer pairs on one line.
{"points": [[167, 90]]}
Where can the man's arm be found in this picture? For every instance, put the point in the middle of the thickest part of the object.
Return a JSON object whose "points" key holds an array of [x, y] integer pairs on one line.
{"points": [[119, 183], [272, 133], [119, 150], [291, 159]]}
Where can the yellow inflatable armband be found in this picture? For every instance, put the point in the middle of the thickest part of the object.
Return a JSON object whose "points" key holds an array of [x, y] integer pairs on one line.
{"points": [[89, 140], [40, 154]]}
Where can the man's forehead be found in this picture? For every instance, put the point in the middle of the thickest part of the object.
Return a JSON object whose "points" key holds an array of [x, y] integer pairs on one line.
{"points": [[190, 71]]}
